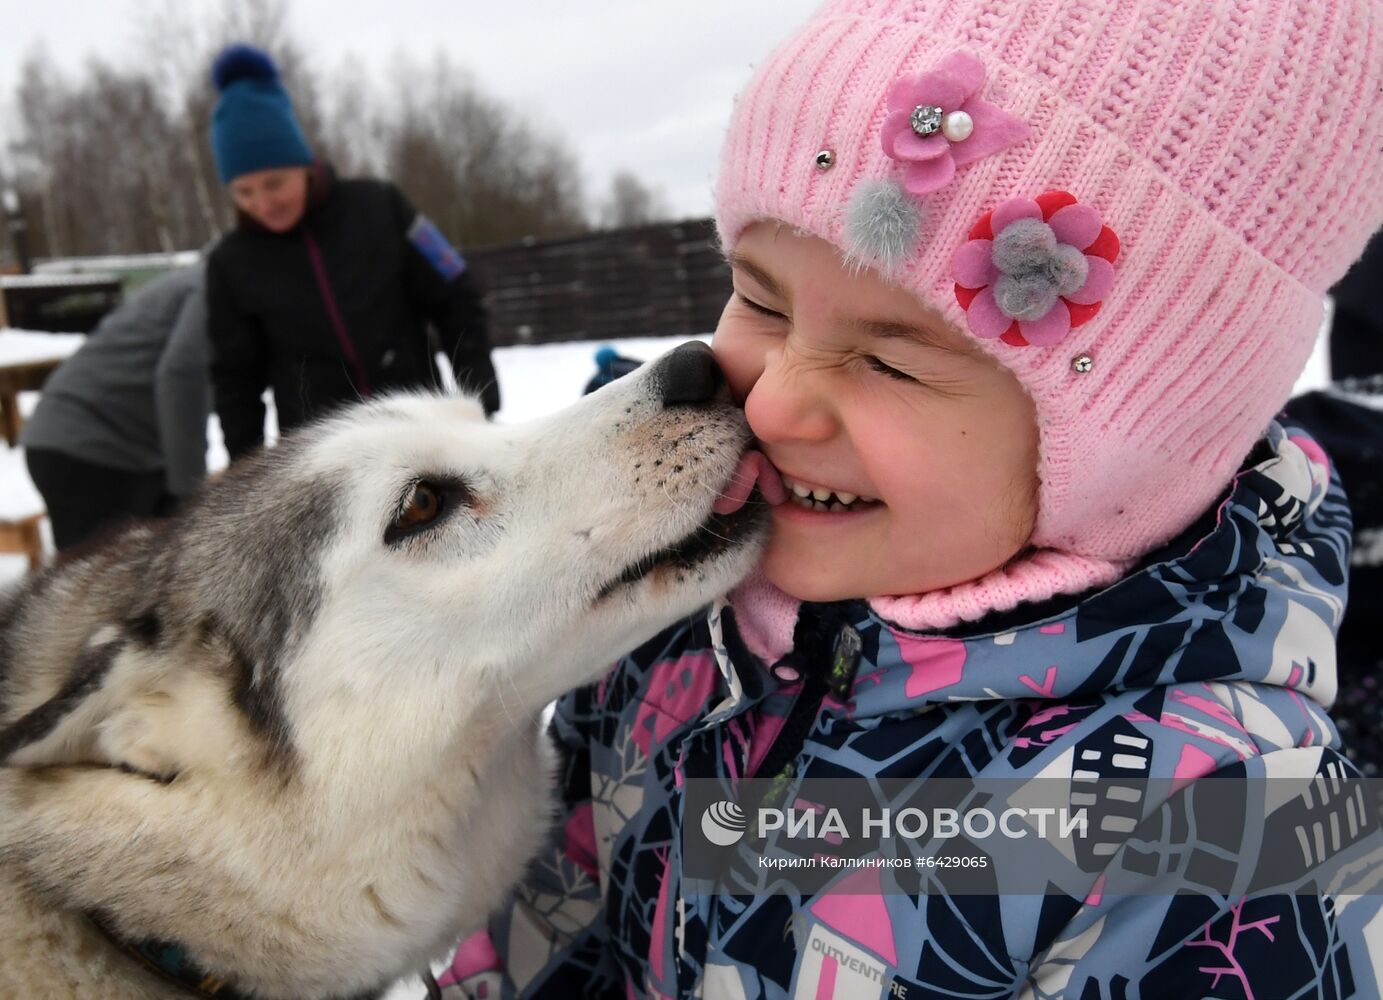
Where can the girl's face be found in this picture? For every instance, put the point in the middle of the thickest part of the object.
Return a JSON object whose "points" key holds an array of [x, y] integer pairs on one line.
{"points": [[276, 199], [856, 389]]}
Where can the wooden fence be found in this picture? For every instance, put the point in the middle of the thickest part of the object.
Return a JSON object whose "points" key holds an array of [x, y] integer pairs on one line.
{"points": [[667, 279]]}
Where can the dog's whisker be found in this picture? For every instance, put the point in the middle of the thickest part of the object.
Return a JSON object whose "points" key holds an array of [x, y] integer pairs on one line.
{"points": [[715, 534], [681, 506], [509, 715]]}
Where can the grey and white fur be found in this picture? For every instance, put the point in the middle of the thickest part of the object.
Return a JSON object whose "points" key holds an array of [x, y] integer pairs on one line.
{"points": [[295, 730]]}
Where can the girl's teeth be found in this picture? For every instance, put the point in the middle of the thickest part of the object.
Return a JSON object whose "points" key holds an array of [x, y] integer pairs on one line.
{"points": [[816, 498]]}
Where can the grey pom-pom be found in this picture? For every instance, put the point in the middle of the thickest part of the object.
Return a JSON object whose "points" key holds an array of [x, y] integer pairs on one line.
{"points": [[1024, 246], [1026, 296], [1069, 269], [882, 226], [1035, 268]]}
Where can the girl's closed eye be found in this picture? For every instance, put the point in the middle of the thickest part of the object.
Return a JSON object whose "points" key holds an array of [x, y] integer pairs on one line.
{"points": [[883, 368], [758, 307]]}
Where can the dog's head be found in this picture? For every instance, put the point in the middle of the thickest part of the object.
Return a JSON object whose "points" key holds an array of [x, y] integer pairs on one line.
{"points": [[518, 560], [406, 552], [324, 627]]}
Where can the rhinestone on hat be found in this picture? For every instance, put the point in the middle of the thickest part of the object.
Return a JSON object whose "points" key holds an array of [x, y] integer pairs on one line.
{"points": [[825, 159], [1083, 364], [926, 119]]}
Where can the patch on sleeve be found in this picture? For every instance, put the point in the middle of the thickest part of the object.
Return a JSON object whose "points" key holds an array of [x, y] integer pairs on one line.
{"points": [[443, 257]]}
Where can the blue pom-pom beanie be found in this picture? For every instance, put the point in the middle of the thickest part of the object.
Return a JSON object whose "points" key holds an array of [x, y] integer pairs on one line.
{"points": [[253, 127]]}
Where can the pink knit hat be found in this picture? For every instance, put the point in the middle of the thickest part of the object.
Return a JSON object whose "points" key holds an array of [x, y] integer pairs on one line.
{"points": [[1135, 207]]}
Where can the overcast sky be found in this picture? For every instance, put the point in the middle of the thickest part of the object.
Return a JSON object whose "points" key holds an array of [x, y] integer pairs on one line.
{"points": [[644, 85]]}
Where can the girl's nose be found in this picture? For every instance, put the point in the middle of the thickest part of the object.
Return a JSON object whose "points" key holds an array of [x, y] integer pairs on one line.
{"points": [[787, 404]]}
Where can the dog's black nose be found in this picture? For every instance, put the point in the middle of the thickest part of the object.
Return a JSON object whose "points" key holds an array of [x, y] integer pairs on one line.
{"points": [[689, 374]]}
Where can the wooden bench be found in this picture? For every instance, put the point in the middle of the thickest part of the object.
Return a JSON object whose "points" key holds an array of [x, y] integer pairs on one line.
{"points": [[21, 517], [26, 361], [52, 302], [26, 376], [24, 537]]}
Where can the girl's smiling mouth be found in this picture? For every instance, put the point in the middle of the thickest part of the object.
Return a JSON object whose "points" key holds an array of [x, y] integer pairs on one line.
{"points": [[782, 492], [825, 499]]}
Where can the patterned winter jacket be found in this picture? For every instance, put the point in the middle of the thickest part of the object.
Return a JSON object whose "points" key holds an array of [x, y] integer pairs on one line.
{"points": [[1215, 656]]}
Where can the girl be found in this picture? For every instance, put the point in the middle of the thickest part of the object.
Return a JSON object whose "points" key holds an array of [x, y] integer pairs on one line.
{"points": [[1018, 289]]}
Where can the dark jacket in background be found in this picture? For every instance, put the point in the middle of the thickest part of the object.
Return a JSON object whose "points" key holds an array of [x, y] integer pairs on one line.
{"points": [[1347, 420], [1356, 330], [337, 309], [135, 397]]}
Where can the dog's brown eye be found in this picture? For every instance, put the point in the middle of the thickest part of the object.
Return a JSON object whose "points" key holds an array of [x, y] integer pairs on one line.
{"points": [[426, 505], [421, 508]]}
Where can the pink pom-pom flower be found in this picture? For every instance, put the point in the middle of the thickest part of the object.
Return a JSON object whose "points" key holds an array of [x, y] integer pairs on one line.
{"points": [[936, 123], [1033, 269]]}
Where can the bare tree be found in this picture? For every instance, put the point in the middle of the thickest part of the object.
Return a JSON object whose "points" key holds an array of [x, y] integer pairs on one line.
{"points": [[176, 50], [117, 159], [99, 155], [39, 99], [354, 134], [630, 203], [475, 166]]}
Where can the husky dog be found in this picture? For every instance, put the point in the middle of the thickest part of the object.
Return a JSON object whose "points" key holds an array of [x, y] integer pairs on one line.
{"points": [[291, 738]]}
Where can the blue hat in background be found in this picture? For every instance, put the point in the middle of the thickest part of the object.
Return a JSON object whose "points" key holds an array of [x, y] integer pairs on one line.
{"points": [[253, 127]]}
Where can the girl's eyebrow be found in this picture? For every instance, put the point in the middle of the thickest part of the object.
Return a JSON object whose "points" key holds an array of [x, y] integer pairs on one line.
{"points": [[882, 329], [893, 330], [764, 279]]}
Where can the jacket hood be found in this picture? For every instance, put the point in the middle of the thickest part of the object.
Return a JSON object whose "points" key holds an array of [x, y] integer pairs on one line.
{"points": [[1254, 593]]}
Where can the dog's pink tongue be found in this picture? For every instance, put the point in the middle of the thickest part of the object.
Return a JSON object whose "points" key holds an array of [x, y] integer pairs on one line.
{"points": [[754, 468]]}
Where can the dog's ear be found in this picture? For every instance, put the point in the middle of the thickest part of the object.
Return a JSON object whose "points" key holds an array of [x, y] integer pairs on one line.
{"points": [[122, 707], [62, 729]]}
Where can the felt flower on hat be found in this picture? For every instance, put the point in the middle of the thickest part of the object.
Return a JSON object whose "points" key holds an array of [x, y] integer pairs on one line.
{"points": [[936, 123], [1034, 268]]}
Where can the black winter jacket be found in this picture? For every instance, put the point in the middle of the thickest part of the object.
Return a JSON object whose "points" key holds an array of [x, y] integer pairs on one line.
{"points": [[336, 309]]}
